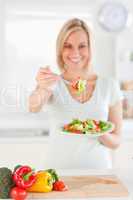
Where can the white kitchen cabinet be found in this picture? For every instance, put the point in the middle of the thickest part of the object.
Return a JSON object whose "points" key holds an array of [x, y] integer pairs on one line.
{"points": [[123, 156]]}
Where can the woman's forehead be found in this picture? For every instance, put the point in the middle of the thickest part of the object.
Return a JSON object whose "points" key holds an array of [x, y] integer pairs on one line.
{"points": [[79, 35]]}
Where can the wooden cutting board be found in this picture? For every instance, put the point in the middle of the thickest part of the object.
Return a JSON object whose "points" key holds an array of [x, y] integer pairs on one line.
{"points": [[87, 186]]}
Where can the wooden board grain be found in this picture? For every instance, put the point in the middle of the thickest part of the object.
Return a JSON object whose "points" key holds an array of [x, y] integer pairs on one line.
{"points": [[87, 186]]}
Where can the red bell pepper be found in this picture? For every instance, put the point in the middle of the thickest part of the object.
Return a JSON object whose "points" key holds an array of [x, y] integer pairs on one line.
{"points": [[24, 177]]}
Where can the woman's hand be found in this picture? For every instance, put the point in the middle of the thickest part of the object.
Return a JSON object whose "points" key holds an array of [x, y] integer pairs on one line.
{"points": [[113, 139], [46, 79]]}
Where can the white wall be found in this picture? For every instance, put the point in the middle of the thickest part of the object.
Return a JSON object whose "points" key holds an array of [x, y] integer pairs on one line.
{"points": [[30, 43], [2, 37], [124, 56]]}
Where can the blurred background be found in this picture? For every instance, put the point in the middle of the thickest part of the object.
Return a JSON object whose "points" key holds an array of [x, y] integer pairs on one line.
{"points": [[28, 31], [28, 35]]}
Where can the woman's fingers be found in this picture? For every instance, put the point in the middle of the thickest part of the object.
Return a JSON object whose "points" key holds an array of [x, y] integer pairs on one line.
{"points": [[46, 78], [48, 84], [45, 69], [47, 72]]}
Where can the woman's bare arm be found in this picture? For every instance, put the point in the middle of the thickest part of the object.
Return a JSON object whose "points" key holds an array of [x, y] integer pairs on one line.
{"points": [[113, 140], [38, 99]]}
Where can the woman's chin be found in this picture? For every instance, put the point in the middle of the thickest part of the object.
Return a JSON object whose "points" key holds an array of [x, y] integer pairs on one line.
{"points": [[77, 67]]}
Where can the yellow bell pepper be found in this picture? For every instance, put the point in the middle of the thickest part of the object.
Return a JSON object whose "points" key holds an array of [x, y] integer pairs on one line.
{"points": [[43, 182]]}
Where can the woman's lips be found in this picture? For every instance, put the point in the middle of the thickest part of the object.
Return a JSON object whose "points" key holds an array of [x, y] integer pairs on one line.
{"points": [[75, 60]]}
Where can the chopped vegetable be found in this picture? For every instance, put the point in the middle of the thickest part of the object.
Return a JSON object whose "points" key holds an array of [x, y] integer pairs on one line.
{"points": [[76, 121], [104, 126], [88, 126], [79, 85]]}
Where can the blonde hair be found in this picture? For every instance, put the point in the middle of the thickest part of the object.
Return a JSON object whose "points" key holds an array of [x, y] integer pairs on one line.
{"points": [[69, 27]]}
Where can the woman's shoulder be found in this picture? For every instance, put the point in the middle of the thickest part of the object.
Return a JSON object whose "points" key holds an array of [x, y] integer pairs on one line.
{"points": [[111, 87]]}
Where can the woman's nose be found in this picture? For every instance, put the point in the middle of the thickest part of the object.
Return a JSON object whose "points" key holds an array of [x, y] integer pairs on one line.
{"points": [[75, 52]]}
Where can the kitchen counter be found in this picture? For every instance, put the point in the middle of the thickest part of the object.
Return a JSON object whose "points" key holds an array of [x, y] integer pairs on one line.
{"points": [[125, 175]]}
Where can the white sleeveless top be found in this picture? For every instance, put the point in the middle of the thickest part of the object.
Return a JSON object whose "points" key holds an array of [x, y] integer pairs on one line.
{"points": [[79, 151]]}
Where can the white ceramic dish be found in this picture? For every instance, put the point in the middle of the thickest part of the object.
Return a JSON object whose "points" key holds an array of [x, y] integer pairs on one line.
{"points": [[89, 134]]}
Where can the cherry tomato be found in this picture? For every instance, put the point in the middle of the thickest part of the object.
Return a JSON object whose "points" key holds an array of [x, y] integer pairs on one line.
{"points": [[60, 186], [17, 193]]}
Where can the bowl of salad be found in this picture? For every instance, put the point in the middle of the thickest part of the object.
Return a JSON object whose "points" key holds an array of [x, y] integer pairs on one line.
{"points": [[88, 127]]}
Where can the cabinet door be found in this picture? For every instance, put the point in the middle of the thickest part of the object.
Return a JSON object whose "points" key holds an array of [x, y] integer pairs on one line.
{"points": [[123, 156]]}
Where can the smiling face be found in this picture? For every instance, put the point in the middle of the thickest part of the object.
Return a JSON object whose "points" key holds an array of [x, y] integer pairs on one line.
{"points": [[76, 51]]}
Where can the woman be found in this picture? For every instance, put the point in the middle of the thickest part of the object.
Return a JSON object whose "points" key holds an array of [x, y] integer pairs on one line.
{"points": [[101, 100]]}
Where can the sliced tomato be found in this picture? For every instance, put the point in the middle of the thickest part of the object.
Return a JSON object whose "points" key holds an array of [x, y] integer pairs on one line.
{"points": [[96, 122], [66, 127], [76, 131], [75, 85], [98, 129]]}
